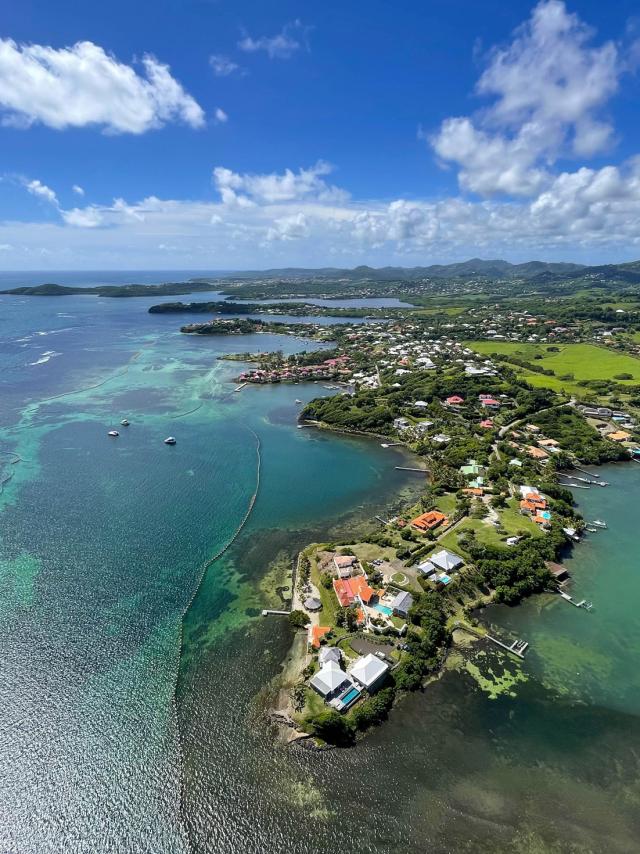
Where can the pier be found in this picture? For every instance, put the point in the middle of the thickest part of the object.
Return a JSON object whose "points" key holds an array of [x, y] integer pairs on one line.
{"points": [[582, 604], [270, 612], [518, 647], [409, 468], [240, 387]]}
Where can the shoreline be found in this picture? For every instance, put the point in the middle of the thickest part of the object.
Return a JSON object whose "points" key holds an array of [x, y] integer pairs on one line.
{"points": [[298, 657]]}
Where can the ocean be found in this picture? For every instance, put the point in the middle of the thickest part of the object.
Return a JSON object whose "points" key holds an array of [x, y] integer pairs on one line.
{"points": [[130, 725]]}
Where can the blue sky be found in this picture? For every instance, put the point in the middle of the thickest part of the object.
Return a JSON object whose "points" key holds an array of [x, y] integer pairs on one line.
{"points": [[217, 135]]}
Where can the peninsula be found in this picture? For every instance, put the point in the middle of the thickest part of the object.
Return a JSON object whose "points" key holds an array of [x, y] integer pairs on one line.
{"points": [[500, 408]]}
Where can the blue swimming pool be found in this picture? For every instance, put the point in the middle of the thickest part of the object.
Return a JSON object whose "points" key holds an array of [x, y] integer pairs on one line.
{"points": [[350, 697], [384, 610], [445, 579]]}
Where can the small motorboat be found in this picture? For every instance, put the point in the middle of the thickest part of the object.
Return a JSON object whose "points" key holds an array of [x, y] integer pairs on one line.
{"points": [[298, 400], [599, 523], [170, 440], [124, 422], [113, 433]]}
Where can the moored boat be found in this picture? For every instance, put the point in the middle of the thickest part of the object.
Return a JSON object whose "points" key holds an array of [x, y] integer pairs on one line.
{"points": [[113, 433], [599, 523], [124, 422], [170, 440]]}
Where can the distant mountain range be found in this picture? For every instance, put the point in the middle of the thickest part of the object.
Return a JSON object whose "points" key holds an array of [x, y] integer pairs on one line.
{"points": [[537, 273], [474, 267]]}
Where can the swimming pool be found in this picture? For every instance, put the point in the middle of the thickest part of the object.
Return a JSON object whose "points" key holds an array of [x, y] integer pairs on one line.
{"points": [[350, 697], [445, 579], [384, 609]]}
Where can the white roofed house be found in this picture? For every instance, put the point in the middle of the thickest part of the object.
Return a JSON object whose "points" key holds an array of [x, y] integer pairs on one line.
{"points": [[402, 604], [329, 653], [330, 680], [446, 561], [369, 671]]}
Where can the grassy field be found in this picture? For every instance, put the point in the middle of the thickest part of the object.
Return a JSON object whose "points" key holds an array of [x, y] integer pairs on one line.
{"points": [[583, 361], [486, 534]]}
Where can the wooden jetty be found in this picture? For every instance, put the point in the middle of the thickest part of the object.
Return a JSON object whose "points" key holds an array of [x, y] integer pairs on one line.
{"points": [[409, 468], [270, 612], [240, 387]]}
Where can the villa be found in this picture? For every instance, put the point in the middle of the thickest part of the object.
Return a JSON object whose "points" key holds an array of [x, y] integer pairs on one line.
{"points": [[350, 590], [441, 439], [329, 653], [401, 604], [345, 564], [536, 453], [472, 469], [369, 670], [443, 561], [429, 520], [454, 400], [330, 680]]}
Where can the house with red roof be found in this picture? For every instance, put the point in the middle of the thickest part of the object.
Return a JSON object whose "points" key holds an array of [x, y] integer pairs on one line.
{"points": [[429, 520], [454, 400]]}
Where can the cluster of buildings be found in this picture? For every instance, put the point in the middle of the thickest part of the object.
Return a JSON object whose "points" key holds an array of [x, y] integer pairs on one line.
{"points": [[534, 505], [341, 688], [330, 369]]}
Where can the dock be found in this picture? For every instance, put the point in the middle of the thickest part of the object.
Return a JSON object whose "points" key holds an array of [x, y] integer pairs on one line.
{"points": [[240, 387], [575, 486], [409, 468], [391, 444], [269, 612], [582, 604], [517, 647], [382, 521]]}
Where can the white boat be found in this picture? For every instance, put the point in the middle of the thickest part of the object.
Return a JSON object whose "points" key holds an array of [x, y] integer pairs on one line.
{"points": [[599, 523], [113, 433], [170, 440], [124, 422], [298, 401]]}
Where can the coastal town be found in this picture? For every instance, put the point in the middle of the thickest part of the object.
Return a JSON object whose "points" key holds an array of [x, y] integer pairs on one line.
{"points": [[499, 457]]}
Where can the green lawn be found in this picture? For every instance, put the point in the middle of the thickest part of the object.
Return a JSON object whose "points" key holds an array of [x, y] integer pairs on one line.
{"points": [[487, 534], [584, 361], [446, 503]]}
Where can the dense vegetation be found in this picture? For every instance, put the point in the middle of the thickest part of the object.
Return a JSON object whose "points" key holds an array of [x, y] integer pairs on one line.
{"points": [[576, 435]]}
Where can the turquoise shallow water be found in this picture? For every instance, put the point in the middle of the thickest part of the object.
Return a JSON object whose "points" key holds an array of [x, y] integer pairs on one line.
{"points": [[101, 543]]}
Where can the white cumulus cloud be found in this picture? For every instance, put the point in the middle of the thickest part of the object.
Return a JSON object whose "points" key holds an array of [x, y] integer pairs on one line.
{"points": [[37, 188], [275, 188], [220, 116], [549, 86], [78, 190], [83, 85]]}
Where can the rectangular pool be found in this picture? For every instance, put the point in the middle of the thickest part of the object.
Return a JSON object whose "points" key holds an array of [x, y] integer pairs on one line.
{"points": [[384, 609], [350, 697]]}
